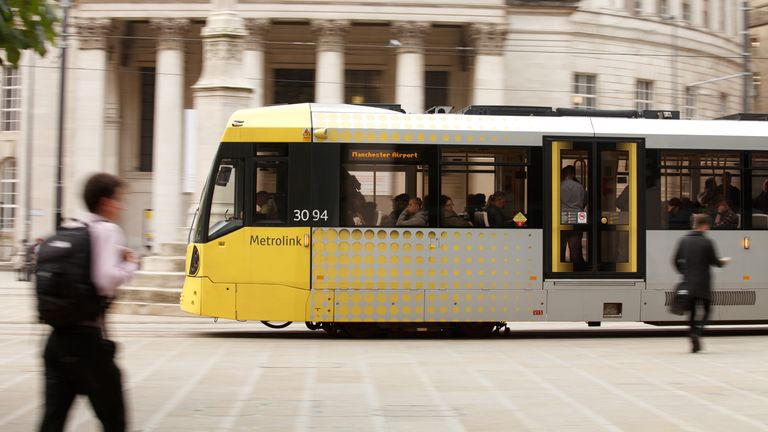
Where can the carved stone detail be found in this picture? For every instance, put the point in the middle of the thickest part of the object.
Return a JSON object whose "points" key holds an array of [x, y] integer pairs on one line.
{"points": [[170, 32], [410, 35], [488, 38], [227, 50], [330, 34], [257, 28], [92, 32]]}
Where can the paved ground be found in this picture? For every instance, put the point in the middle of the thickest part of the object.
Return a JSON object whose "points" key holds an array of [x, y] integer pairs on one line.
{"points": [[189, 374]]}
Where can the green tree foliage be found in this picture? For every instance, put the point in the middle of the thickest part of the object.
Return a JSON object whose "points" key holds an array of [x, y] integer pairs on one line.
{"points": [[25, 24]]}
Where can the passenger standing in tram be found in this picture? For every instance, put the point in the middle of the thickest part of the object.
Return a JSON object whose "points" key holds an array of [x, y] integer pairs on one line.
{"points": [[573, 199], [709, 197], [731, 193], [413, 215], [694, 255]]}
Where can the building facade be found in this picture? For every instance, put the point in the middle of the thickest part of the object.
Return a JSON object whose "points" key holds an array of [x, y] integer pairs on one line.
{"points": [[758, 32], [149, 88]]}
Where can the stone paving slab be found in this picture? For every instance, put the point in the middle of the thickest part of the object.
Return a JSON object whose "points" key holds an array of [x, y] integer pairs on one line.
{"points": [[189, 374]]}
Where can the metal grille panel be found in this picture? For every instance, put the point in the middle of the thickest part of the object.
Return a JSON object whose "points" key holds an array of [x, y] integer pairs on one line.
{"points": [[724, 298]]}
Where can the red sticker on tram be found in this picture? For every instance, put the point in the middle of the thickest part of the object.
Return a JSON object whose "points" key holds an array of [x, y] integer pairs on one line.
{"points": [[538, 312]]}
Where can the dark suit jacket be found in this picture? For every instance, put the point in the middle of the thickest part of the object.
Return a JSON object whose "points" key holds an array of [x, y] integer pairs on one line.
{"points": [[495, 216], [695, 254]]}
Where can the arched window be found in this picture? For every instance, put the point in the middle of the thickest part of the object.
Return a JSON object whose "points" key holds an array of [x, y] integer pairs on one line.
{"points": [[8, 191]]}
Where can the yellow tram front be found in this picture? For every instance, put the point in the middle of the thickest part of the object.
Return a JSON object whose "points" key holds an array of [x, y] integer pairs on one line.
{"points": [[245, 261]]}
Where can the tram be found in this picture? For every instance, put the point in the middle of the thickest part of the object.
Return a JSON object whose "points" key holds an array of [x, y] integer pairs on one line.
{"points": [[300, 217]]}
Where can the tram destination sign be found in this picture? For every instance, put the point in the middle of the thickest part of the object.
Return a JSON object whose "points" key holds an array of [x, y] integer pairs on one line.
{"points": [[384, 155]]}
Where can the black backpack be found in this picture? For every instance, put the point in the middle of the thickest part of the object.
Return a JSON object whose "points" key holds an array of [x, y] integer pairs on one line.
{"points": [[66, 295]]}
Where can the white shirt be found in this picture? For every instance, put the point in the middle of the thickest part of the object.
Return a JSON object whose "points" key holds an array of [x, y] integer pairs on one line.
{"points": [[108, 268]]}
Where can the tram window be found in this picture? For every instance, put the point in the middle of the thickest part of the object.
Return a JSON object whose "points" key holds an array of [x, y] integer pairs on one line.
{"points": [[759, 193], [377, 194], [226, 207], [691, 182], [270, 202], [488, 187]]}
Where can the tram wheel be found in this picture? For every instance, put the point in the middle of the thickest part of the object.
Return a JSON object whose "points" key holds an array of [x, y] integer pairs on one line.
{"points": [[361, 330], [476, 329], [277, 326], [331, 329]]}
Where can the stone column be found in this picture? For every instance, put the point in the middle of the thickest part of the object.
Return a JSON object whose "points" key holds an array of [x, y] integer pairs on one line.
{"points": [[409, 76], [329, 71], [112, 111], [221, 88], [167, 151], [85, 152], [488, 86], [253, 59]]}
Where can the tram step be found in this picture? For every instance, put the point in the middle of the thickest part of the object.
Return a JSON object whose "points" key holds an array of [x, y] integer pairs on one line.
{"points": [[172, 249], [145, 278], [149, 295], [158, 263], [138, 308]]}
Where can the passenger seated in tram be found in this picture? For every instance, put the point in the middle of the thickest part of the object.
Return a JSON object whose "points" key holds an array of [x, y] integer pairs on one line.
{"points": [[265, 205], [448, 217], [413, 215], [678, 216], [724, 217], [475, 202], [369, 213], [760, 203], [495, 208], [399, 203]]}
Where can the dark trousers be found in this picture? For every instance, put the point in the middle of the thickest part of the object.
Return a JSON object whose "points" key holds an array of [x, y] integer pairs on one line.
{"points": [[573, 238], [79, 360], [697, 325]]}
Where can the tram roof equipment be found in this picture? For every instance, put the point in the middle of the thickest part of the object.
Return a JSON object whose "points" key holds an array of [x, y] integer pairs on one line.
{"points": [[745, 116], [541, 111]]}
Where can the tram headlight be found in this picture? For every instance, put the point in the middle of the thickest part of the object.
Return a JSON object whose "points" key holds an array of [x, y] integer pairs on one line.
{"points": [[194, 261], [746, 243]]}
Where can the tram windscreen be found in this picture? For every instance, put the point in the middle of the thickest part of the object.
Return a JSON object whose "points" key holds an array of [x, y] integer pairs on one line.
{"points": [[226, 206]]}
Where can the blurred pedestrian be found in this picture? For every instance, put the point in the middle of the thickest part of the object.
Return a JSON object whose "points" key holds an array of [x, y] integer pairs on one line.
{"points": [[78, 358], [694, 255]]}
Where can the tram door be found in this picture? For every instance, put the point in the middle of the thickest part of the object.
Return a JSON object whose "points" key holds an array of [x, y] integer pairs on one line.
{"points": [[594, 210]]}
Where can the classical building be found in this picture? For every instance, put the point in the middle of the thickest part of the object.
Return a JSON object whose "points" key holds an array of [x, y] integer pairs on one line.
{"points": [[758, 31], [149, 85]]}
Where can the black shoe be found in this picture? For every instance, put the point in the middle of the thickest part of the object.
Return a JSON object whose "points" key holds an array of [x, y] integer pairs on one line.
{"points": [[696, 345]]}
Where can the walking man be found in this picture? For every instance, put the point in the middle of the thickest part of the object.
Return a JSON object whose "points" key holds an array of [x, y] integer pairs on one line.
{"points": [[79, 359], [695, 254]]}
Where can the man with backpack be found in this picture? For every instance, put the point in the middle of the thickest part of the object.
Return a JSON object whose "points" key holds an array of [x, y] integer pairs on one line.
{"points": [[694, 256], [79, 271]]}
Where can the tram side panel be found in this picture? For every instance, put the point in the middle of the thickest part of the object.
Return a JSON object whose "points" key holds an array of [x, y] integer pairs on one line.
{"points": [[740, 290], [426, 275]]}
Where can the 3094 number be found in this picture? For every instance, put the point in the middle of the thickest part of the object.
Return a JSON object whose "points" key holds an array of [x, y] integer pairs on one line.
{"points": [[310, 215]]}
